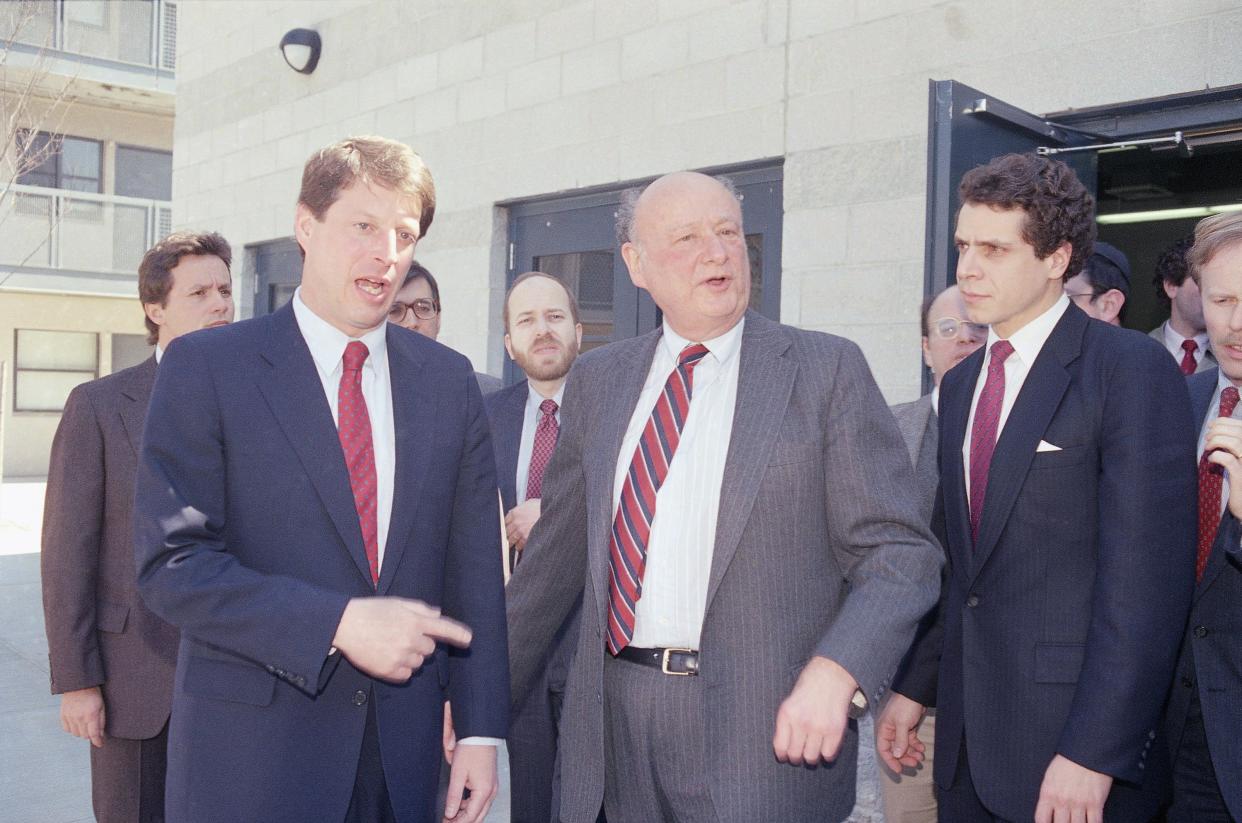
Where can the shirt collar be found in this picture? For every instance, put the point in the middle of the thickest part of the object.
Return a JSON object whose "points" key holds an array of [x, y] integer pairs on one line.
{"points": [[722, 348], [534, 398], [1029, 340], [327, 343], [159, 354], [1173, 340], [935, 393]]}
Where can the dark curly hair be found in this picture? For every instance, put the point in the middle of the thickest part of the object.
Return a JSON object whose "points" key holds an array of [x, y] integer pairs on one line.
{"points": [[1171, 267], [1058, 207]]}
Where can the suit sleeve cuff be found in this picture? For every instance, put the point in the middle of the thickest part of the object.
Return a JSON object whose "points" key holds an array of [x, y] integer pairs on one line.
{"points": [[479, 741]]}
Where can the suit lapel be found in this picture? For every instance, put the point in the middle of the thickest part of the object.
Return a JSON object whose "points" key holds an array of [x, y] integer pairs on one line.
{"points": [[955, 397], [1032, 411], [625, 376], [764, 383], [135, 397], [1202, 386], [507, 433], [414, 421], [294, 392]]}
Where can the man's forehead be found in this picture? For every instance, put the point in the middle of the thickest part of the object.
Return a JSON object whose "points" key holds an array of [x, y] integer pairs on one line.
{"points": [[988, 218], [538, 294], [946, 303], [373, 198], [686, 197]]}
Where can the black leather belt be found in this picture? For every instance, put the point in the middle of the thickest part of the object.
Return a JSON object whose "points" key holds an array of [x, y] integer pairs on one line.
{"points": [[679, 662]]}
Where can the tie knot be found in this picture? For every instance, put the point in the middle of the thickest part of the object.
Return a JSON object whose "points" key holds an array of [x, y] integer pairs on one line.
{"points": [[548, 407], [1190, 346], [355, 355], [1228, 401], [691, 355], [1001, 350]]}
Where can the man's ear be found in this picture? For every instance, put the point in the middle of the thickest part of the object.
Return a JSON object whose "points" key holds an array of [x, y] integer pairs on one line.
{"points": [[509, 347], [1059, 261], [155, 312], [1110, 303], [926, 354], [304, 223], [578, 332], [633, 261]]}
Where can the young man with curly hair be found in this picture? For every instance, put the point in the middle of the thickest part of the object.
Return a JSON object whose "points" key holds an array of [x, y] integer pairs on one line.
{"points": [[1066, 510]]}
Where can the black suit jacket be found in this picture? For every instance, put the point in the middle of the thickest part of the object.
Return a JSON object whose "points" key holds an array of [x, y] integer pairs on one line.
{"points": [[99, 631], [1211, 657], [1061, 627]]}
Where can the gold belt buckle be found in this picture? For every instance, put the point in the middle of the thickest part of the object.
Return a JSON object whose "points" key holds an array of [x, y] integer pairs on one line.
{"points": [[664, 663]]}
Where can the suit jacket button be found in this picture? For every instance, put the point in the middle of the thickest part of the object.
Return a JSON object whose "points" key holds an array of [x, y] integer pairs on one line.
{"points": [[972, 601], [360, 698], [1201, 631]]}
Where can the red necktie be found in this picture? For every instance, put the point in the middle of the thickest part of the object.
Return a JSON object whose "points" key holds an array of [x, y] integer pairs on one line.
{"points": [[627, 550], [1188, 359], [1211, 483], [983, 431], [545, 441], [354, 428]]}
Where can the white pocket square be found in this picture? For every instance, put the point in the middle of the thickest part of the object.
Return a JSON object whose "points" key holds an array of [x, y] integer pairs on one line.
{"points": [[1045, 446]]}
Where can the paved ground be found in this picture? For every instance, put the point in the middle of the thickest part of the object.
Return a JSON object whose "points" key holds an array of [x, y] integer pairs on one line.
{"points": [[44, 773]]}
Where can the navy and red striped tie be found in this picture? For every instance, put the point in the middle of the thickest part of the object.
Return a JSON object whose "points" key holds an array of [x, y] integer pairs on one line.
{"points": [[627, 549]]}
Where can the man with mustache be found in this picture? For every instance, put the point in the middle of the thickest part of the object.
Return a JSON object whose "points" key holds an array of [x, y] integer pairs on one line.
{"points": [[1184, 334], [112, 660], [948, 339], [542, 335], [1204, 713]]}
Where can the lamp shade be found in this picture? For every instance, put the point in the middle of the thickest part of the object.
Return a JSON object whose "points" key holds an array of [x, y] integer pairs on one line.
{"points": [[300, 48]]}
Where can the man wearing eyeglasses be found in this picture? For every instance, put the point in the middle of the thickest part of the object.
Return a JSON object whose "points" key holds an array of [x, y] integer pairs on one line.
{"points": [[417, 308], [1103, 286], [948, 339]]}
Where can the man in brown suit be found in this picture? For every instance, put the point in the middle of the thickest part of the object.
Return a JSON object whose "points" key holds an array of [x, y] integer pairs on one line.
{"points": [[112, 660]]}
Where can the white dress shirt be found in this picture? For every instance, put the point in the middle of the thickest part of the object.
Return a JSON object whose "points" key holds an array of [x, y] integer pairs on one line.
{"points": [[1173, 342], [683, 534], [327, 347], [1212, 413], [1027, 343], [530, 422]]}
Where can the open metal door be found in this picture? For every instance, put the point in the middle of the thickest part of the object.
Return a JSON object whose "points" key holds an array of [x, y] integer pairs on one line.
{"points": [[967, 128]]}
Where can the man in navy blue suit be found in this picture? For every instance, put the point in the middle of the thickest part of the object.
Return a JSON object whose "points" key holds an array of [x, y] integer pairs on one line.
{"points": [[1205, 705], [542, 335], [314, 512], [1066, 512]]}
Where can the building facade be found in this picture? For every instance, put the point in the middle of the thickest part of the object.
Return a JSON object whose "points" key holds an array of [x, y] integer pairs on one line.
{"points": [[92, 83]]}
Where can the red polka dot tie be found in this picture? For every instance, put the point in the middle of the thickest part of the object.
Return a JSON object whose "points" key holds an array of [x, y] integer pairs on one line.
{"points": [[983, 431], [1188, 359], [354, 428], [627, 550], [1211, 484], [545, 442]]}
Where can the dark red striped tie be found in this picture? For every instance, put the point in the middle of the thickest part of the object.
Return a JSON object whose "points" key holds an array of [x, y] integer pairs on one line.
{"points": [[354, 427], [1211, 484], [627, 550], [983, 431]]}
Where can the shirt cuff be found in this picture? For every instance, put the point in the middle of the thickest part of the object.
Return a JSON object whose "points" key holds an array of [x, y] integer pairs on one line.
{"points": [[479, 741]]}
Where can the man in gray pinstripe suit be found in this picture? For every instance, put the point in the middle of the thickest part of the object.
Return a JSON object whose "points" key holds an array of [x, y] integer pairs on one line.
{"points": [[767, 558]]}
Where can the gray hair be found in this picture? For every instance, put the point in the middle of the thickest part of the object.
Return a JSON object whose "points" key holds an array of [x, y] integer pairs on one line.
{"points": [[629, 205]]}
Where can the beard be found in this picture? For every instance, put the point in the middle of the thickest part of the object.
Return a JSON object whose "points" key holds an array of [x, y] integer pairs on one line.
{"points": [[536, 369]]}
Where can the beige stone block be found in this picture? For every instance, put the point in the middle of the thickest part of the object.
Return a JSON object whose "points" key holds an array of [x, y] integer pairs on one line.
{"points": [[1224, 58], [620, 17], [460, 62], [434, 111], [418, 75], [815, 121], [812, 239], [888, 230], [860, 173], [808, 18], [679, 9], [690, 93], [565, 29], [533, 83], [755, 78], [653, 50], [481, 98], [509, 47], [721, 31], [591, 67], [776, 22]]}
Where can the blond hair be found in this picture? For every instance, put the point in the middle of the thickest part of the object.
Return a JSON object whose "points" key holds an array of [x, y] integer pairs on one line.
{"points": [[1211, 235]]}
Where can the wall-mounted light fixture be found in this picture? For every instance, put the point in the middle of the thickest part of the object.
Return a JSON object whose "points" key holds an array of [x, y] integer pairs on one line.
{"points": [[300, 48]]}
